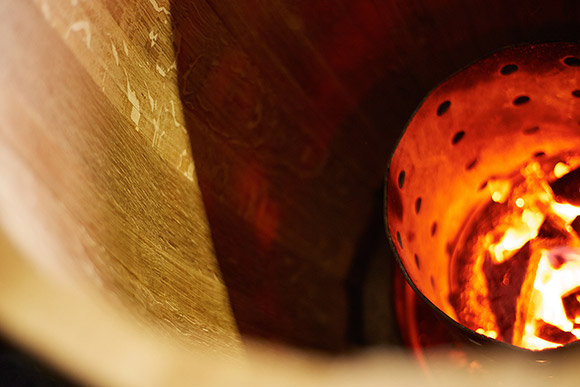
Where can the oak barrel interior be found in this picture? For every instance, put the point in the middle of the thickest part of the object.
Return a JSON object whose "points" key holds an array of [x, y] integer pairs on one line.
{"points": [[214, 169]]}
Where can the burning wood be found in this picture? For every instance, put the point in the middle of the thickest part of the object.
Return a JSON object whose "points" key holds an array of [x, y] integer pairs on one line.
{"points": [[516, 276]]}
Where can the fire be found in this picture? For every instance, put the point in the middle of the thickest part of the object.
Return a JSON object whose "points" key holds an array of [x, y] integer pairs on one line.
{"points": [[516, 274], [499, 190], [557, 276], [517, 236], [561, 169]]}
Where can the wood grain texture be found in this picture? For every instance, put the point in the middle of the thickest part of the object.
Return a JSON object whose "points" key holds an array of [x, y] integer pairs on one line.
{"points": [[293, 108], [57, 321], [96, 170], [287, 207], [284, 112]]}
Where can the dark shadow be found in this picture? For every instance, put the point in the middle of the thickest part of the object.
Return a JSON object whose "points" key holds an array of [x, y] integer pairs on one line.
{"points": [[21, 369], [293, 109]]}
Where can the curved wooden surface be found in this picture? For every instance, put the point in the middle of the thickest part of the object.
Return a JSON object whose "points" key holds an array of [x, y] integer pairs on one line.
{"points": [[96, 169], [211, 166], [56, 320]]}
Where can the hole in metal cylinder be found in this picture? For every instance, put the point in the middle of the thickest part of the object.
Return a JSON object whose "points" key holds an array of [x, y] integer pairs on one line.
{"points": [[521, 100], [505, 210], [442, 109], [509, 69], [572, 61]]}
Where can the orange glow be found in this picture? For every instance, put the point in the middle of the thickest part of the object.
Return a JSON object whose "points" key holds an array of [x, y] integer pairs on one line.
{"points": [[491, 333], [521, 277], [567, 212], [561, 169], [499, 190], [517, 236], [550, 285]]}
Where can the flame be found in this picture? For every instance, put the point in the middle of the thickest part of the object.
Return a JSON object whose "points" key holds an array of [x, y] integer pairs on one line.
{"points": [[560, 169], [499, 190], [517, 236], [490, 333], [531, 223], [552, 283], [567, 212]]}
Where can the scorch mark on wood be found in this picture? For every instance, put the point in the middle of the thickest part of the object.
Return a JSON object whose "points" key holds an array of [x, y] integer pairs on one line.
{"points": [[163, 72], [158, 8], [189, 174], [153, 36], [115, 53], [158, 134], [160, 70], [181, 156], [103, 81], [151, 100], [173, 114], [83, 26], [132, 96]]}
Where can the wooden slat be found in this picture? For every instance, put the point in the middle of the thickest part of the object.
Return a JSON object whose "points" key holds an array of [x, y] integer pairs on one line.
{"points": [[133, 63], [263, 159], [294, 107], [85, 184]]}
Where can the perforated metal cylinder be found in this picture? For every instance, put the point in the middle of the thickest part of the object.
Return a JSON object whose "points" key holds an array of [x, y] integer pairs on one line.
{"points": [[487, 120]]}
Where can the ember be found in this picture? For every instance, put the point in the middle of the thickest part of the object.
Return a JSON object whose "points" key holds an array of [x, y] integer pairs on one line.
{"points": [[516, 276], [483, 198]]}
